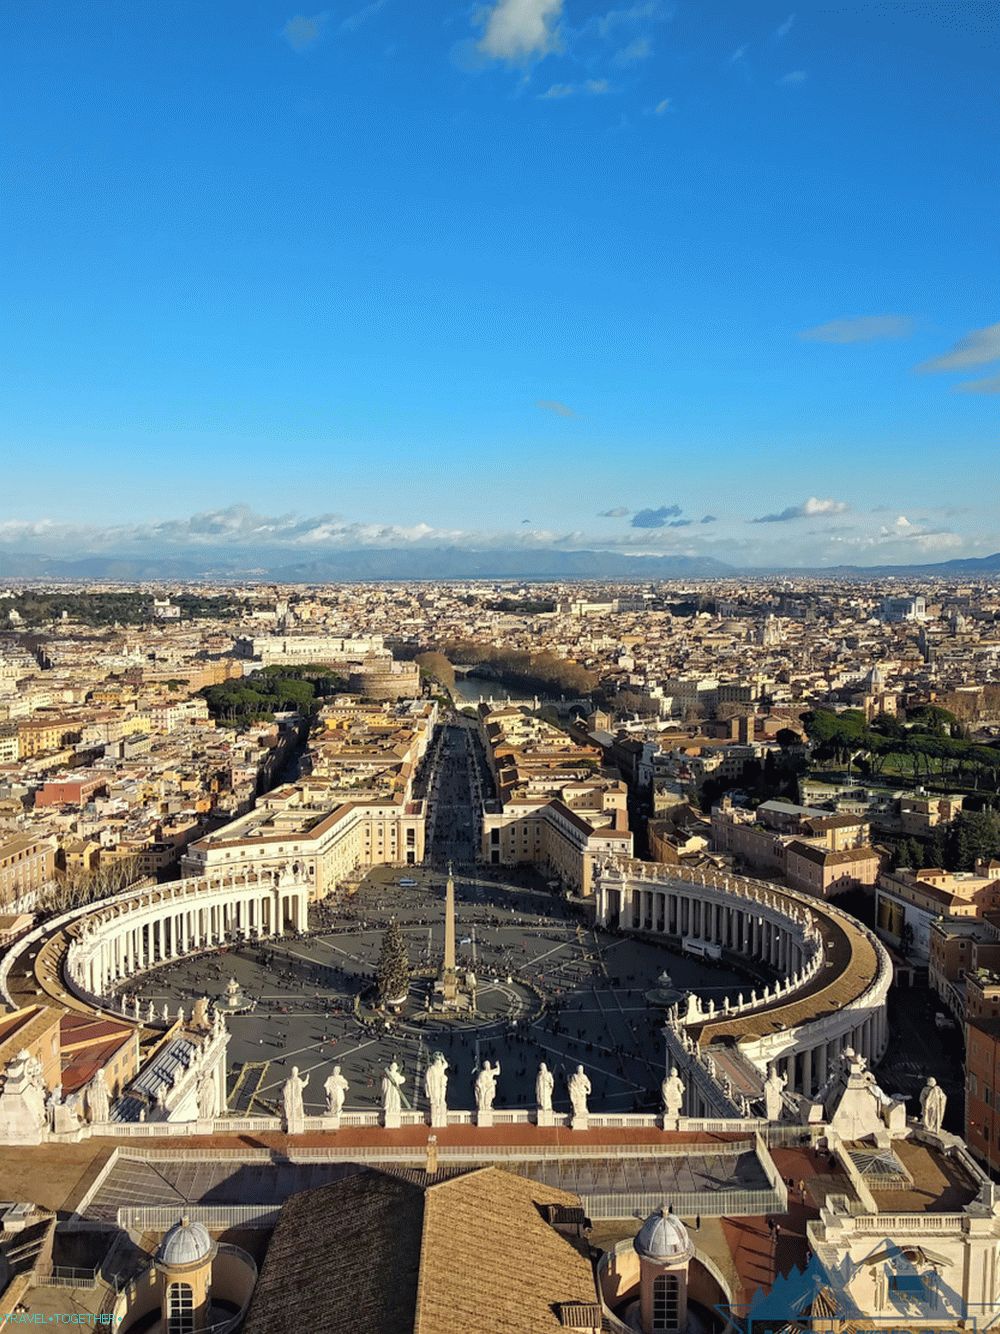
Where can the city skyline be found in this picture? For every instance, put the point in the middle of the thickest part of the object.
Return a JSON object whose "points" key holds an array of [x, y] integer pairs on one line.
{"points": [[711, 282]]}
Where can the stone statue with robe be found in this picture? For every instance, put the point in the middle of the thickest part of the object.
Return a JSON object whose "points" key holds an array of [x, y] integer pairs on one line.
{"points": [[291, 1099], [208, 1100], [436, 1088], [774, 1088], [486, 1086], [98, 1099], [393, 1080], [672, 1093], [335, 1089], [544, 1088], [933, 1101], [579, 1091]]}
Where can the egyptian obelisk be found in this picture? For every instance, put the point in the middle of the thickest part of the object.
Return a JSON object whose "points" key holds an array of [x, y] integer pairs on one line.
{"points": [[449, 978]]}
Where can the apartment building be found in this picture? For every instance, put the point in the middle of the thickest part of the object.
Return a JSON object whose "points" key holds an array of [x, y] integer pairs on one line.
{"points": [[558, 807], [27, 862], [982, 1089], [908, 902]]}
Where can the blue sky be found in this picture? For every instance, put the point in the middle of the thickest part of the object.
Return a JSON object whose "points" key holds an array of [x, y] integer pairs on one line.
{"points": [[711, 277]]}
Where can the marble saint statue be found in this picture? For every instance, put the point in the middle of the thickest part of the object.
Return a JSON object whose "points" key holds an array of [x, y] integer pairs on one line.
{"points": [[98, 1100], [291, 1097], [933, 1101], [672, 1093], [335, 1089], [774, 1087], [208, 1102], [579, 1091], [544, 1087], [486, 1086], [393, 1080], [436, 1085]]}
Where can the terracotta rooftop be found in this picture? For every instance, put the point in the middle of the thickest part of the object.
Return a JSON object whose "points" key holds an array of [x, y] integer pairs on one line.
{"points": [[471, 1254]]}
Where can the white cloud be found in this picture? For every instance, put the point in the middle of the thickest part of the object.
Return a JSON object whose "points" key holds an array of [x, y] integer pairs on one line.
{"points": [[991, 385], [519, 30], [361, 16], [860, 329], [812, 508], [644, 12], [977, 348], [590, 88], [641, 48], [783, 29], [302, 32], [239, 533], [794, 76]]}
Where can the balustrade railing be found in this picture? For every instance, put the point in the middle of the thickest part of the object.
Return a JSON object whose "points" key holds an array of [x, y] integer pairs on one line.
{"points": [[63, 1276]]}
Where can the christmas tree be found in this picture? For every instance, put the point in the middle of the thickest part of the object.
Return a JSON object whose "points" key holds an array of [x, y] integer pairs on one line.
{"points": [[393, 967]]}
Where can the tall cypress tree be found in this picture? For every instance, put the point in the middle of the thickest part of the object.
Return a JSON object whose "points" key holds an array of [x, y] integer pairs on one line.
{"points": [[393, 966]]}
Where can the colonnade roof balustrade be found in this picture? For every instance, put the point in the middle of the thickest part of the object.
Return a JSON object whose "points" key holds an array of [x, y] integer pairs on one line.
{"points": [[851, 965]]}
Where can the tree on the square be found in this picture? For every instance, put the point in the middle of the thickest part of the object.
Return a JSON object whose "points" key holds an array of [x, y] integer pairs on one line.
{"points": [[393, 967]]}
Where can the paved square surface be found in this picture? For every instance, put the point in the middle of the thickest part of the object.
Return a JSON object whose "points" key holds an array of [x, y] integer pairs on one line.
{"points": [[550, 987]]}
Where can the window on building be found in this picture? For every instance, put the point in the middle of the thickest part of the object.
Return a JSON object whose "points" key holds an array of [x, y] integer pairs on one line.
{"points": [[180, 1309], [666, 1303]]}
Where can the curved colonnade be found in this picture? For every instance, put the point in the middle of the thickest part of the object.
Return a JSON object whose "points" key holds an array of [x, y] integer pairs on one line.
{"points": [[92, 949], [832, 979]]}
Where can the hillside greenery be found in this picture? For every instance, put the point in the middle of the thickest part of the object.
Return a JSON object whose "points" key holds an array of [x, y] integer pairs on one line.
{"points": [[100, 609], [930, 745]]}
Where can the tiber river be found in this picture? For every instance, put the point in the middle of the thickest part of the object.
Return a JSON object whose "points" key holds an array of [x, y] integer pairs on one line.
{"points": [[475, 689]]}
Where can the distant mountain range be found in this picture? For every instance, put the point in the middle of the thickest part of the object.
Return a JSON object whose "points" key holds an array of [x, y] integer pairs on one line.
{"points": [[449, 563], [367, 563]]}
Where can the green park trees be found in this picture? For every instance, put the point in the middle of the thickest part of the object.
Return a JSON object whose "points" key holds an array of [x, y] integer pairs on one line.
{"points": [[272, 690], [923, 748]]}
